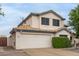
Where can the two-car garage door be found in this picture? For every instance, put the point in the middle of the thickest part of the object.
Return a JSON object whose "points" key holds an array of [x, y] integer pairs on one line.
{"points": [[33, 41]]}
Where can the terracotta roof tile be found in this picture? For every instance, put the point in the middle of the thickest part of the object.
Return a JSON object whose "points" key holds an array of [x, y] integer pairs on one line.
{"points": [[27, 27], [24, 27]]}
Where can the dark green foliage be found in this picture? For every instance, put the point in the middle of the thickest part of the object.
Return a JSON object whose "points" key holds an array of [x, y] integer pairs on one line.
{"points": [[1, 12], [61, 42], [74, 19]]}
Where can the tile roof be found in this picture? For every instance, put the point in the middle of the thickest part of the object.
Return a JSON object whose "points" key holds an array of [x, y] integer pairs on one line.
{"points": [[24, 27], [28, 28]]}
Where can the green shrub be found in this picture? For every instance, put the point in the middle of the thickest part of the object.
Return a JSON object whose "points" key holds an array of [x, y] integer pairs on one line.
{"points": [[61, 42]]}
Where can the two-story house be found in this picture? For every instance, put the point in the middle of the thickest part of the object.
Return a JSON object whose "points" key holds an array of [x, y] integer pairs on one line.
{"points": [[37, 30]]}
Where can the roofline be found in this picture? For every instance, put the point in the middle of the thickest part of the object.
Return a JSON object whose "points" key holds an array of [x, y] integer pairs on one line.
{"points": [[38, 31], [25, 19], [41, 31], [38, 14], [52, 12], [13, 30], [64, 29]]}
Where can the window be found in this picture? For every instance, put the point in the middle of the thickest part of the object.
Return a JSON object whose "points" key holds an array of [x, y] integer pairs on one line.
{"points": [[44, 21], [55, 22], [71, 38], [63, 35]]}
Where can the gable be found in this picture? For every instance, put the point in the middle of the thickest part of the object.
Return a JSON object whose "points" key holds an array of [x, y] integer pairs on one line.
{"points": [[49, 12], [63, 32], [50, 15]]}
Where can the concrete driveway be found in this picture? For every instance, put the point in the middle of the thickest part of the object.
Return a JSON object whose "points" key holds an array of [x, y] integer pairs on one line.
{"points": [[8, 51], [50, 52], [5, 51]]}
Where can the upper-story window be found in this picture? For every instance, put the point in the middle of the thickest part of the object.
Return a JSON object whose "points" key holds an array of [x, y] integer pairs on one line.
{"points": [[44, 21], [56, 22]]}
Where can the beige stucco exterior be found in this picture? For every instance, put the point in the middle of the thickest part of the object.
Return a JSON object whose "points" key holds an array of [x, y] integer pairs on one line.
{"points": [[12, 40], [51, 16], [35, 22], [28, 21], [25, 40], [63, 32]]}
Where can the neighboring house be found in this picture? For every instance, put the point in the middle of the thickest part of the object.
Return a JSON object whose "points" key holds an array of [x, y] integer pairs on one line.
{"points": [[37, 30]]}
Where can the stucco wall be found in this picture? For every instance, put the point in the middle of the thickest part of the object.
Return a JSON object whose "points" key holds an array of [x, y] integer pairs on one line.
{"points": [[28, 21], [36, 22], [11, 40], [63, 32], [52, 16]]}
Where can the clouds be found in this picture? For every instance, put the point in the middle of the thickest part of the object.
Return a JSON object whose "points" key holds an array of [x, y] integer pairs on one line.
{"points": [[14, 12], [11, 19]]}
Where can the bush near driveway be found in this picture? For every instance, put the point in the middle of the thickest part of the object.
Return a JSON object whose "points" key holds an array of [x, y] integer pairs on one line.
{"points": [[61, 42]]}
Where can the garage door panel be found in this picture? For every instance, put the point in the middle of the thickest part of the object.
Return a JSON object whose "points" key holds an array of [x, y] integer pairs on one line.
{"points": [[33, 41]]}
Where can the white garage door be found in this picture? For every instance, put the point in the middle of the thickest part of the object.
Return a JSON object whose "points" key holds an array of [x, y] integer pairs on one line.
{"points": [[33, 41]]}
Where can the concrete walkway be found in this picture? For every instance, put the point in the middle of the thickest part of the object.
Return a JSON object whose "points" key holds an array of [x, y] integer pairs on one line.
{"points": [[50, 52]]}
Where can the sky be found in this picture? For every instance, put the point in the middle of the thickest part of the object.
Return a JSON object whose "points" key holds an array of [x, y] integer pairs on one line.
{"points": [[15, 12]]}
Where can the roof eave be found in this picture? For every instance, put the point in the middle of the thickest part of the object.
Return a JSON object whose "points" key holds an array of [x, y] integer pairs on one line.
{"points": [[13, 30], [35, 31]]}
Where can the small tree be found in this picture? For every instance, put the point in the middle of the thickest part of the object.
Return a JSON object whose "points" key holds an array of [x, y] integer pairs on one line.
{"points": [[74, 20], [1, 13]]}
